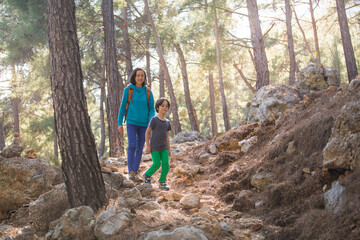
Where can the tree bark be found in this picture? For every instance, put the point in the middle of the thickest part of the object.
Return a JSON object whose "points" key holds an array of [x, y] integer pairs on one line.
{"points": [[15, 101], [214, 129], [147, 56], [221, 83], [261, 65], [102, 102], [173, 106], [316, 40], [346, 41], [2, 138], [161, 83], [15, 107], [115, 85], [190, 107], [127, 45], [290, 41], [56, 151], [80, 164]]}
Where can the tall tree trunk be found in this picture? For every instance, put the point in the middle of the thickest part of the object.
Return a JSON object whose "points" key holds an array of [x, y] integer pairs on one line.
{"points": [[173, 106], [346, 41], [261, 65], [221, 83], [161, 83], [290, 41], [214, 129], [316, 40], [2, 138], [15, 101], [115, 85], [102, 102], [147, 55], [15, 107], [56, 151], [127, 45], [190, 107], [80, 164]]}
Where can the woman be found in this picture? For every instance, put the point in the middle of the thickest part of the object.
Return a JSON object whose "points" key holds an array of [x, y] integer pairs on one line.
{"points": [[140, 111]]}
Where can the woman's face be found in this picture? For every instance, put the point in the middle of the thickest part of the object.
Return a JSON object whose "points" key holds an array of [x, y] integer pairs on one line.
{"points": [[139, 78]]}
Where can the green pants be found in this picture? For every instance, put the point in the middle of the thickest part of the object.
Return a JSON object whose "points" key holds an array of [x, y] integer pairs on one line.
{"points": [[160, 159]]}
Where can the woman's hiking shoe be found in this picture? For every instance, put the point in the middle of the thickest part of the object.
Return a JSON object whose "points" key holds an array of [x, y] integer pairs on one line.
{"points": [[133, 177], [147, 179], [164, 186]]}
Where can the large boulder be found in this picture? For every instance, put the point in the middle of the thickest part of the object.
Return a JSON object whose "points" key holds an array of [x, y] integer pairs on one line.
{"points": [[191, 136], [315, 77], [48, 207], [343, 149], [270, 102], [111, 223], [22, 180], [75, 223]]}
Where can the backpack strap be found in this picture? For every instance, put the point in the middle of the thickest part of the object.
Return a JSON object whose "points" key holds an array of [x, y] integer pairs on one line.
{"points": [[148, 95], [131, 90]]}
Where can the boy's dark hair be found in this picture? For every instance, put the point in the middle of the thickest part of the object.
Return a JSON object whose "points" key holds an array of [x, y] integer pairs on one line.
{"points": [[159, 102], [133, 75]]}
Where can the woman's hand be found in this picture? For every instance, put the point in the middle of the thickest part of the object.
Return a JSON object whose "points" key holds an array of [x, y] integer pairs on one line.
{"points": [[121, 129]]}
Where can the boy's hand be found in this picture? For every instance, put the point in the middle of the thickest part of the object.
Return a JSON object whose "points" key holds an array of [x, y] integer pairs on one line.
{"points": [[148, 149], [169, 153]]}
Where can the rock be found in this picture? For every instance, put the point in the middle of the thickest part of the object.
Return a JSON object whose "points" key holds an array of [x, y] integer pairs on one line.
{"points": [[261, 180], [317, 78], [48, 207], [111, 223], [208, 223], [247, 143], [226, 227], [212, 149], [115, 180], [291, 147], [24, 179], [335, 197], [354, 85], [14, 149], [177, 196], [186, 232], [145, 189], [132, 197], [31, 153], [192, 136], [191, 201], [231, 145], [75, 223], [150, 206], [270, 102], [343, 149], [128, 184], [204, 158]]}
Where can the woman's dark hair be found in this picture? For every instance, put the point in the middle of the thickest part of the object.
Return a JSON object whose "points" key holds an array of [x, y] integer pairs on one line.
{"points": [[159, 102], [133, 75]]}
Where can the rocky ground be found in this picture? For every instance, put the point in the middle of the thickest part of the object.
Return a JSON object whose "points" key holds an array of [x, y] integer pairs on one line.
{"points": [[264, 180]]}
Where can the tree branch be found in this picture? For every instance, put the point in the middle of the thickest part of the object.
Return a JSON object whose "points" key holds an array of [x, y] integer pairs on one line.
{"points": [[245, 79]]}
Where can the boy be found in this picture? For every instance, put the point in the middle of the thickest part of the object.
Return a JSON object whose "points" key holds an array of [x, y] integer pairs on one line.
{"points": [[158, 144]]}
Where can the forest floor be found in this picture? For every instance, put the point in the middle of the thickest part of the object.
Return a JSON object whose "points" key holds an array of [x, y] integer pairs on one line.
{"points": [[291, 207]]}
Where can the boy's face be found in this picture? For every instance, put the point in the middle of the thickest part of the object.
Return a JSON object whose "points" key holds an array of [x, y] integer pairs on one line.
{"points": [[164, 107]]}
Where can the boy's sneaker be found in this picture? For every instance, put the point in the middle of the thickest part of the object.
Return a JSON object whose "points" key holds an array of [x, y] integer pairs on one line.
{"points": [[147, 179], [164, 186]]}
